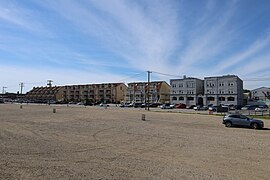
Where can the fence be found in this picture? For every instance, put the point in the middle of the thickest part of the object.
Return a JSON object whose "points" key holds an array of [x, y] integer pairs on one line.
{"points": [[253, 112]]}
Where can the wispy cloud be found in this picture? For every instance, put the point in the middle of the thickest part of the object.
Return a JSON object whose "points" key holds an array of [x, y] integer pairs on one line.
{"points": [[241, 57], [127, 29], [117, 37], [59, 76], [22, 18], [209, 37]]}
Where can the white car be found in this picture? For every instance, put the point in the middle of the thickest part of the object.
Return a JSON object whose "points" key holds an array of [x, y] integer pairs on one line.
{"points": [[104, 105], [261, 108]]}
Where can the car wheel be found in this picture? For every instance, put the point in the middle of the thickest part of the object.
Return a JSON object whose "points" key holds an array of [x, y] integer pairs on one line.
{"points": [[254, 126], [228, 124]]}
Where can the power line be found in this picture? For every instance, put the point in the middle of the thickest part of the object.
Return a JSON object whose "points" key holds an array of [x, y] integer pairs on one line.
{"points": [[36, 82], [171, 75], [132, 76]]}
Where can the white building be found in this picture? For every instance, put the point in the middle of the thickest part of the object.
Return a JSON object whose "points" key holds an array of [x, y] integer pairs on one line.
{"points": [[217, 90], [262, 93], [188, 91], [226, 89]]}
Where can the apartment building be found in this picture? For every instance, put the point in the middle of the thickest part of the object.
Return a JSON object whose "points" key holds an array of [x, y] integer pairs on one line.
{"points": [[226, 89], [106, 93], [45, 94], [159, 91], [188, 91], [262, 93]]}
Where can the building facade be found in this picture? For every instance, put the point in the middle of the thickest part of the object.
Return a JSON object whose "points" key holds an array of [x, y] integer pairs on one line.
{"points": [[137, 92], [94, 93], [44, 94], [187, 91], [262, 93], [226, 89], [101, 93]]}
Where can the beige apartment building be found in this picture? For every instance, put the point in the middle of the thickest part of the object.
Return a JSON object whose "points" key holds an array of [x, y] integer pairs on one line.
{"points": [[105, 93], [94, 93], [137, 92], [45, 94]]}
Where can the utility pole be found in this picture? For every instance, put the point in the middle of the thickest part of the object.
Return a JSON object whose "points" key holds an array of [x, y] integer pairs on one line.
{"points": [[21, 85], [3, 90], [49, 83], [148, 88]]}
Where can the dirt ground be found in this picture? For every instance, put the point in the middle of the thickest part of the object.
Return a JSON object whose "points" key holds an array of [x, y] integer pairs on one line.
{"points": [[114, 143]]}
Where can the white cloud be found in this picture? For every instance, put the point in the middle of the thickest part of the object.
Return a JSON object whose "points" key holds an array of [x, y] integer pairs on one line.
{"points": [[30, 76], [131, 36], [240, 57], [139, 35], [209, 37], [22, 18]]}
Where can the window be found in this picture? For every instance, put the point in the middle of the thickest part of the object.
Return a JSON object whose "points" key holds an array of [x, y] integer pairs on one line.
{"points": [[235, 116], [221, 91], [190, 98], [181, 98], [230, 91], [190, 84], [210, 92], [221, 98], [230, 84], [210, 83], [210, 99], [174, 98], [230, 98], [181, 85]]}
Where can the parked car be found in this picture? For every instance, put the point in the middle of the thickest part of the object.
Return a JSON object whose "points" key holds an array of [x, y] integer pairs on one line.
{"points": [[180, 106], [230, 106], [241, 120], [124, 105], [143, 105], [222, 108], [104, 105], [200, 108], [88, 104], [154, 105], [248, 107], [166, 106], [213, 108], [190, 107], [237, 107], [261, 108], [137, 105]]}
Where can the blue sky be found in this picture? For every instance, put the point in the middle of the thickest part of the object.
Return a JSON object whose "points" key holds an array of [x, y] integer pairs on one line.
{"points": [[98, 41]]}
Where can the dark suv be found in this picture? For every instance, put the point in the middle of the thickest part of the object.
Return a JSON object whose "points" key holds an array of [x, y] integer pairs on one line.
{"points": [[241, 120]]}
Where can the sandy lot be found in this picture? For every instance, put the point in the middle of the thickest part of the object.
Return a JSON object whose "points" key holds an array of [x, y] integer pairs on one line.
{"points": [[114, 143]]}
